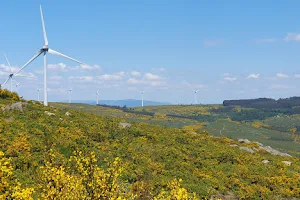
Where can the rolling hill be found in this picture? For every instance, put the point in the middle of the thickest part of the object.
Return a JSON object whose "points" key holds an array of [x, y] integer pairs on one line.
{"points": [[65, 153]]}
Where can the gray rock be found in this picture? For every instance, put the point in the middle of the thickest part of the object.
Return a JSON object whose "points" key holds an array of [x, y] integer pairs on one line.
{"points": [[288, 163], [49, 113], [254, 149], [259, 144], [15, 106], [265, 161], [246, 141], [234, 145], [68, 114], [247, 149], [125, 125], [274, 151]]}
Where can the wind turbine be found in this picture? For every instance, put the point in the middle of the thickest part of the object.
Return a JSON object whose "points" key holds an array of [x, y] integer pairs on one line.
{"points": [[38, 90], [17, 85], [142, 93], [97, 93], [195, 96], [10, 75], [44, 50], [70, 91]]}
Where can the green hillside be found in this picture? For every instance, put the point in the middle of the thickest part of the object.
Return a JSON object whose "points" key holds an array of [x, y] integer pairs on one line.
{"points": [[273, 131], [64, 153]]}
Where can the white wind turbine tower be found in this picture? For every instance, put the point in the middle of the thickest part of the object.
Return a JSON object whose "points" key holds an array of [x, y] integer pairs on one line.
{"points": [[97, 93], [195, 96], [17, 85], [38, 91], [142, 93], [70, 91], [45, 49]]}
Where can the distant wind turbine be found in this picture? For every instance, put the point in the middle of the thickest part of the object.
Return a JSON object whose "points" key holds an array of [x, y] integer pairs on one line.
{"points": [[195, 96], [10, 76], [38, 91], [70, 91], [45, 49], [17, 85], [142, 93], [97, 93]]}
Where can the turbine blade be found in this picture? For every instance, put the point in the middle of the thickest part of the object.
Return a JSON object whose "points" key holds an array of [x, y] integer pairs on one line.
{"points": [[43, 24], [6, 81], [21, 75], [8, 62], [60, 54], [32, 59]]}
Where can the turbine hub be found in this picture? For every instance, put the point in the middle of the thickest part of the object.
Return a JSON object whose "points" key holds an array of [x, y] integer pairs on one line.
{"points": [[45, 48]]}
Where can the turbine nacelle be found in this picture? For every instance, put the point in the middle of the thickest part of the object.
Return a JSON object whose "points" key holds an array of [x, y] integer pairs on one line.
{"points": [[45, 48]]}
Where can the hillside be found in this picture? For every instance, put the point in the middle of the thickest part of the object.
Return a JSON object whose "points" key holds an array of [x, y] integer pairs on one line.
{"points": [[233, 122], [124, 102], [70, 154]]}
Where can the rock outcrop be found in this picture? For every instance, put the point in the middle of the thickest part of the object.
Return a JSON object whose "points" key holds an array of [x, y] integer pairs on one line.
{"points": [[124, 125], [15, 106]]}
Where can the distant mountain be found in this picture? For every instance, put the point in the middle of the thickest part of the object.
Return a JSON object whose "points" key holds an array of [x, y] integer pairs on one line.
{"points": [[127, 102]]}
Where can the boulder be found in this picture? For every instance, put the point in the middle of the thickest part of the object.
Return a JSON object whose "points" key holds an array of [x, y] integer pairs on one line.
{"points": [[259, 144], [68, 114], [124, 125], [247, 149], [265, 161], [246, 141], [288, 163], [274, 151], [49, 113], [15, 106]]}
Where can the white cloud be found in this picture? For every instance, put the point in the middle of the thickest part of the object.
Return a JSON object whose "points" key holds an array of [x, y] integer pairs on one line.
{"points": [[281, 75], [253, 76], [121, 73], [7, 68], [154, 83], [4, 73], [55, 78], [133, 81], [58, 66], [150, 76], [292, 37], [297, 75], [64, 67], [110, 77], [135, 73], [87, 67], [81, 78], [230, 79]]}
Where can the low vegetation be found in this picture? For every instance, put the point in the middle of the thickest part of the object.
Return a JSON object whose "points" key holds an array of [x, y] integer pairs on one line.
{"points": [[63, 153]]}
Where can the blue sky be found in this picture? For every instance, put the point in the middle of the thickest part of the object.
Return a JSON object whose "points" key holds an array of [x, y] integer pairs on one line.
{"points": [[226, 50]]}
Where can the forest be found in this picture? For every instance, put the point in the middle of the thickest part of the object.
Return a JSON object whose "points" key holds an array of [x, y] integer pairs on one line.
{"points": [[63, 153], [265, 103]]}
